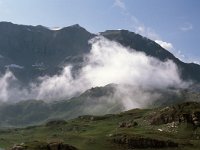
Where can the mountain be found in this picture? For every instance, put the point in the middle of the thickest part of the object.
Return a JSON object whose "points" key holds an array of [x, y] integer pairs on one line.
{"points": [[33, 51], [171, 127]]}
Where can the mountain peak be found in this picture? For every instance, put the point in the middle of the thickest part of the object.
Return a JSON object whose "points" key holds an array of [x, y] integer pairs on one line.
{"points": [[76, 26]]}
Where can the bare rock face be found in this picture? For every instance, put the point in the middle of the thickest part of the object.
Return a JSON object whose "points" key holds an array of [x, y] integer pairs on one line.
{"points": [[192, 118], [196, 118], [127, 124], [183, 113]]}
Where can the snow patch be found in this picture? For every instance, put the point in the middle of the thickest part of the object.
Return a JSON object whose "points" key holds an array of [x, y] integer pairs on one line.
{"points": [[14, 66], [28, 29], [55, 28]]}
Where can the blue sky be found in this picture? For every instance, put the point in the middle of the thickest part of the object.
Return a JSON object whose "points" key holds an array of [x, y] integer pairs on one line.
{"points": [[174, 24]]}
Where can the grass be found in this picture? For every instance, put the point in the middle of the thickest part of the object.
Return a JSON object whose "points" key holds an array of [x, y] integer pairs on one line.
{"points": [[88, 134]]}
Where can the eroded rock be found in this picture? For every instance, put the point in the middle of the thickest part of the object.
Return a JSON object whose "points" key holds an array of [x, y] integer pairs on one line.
{"points": [[128, 124]]}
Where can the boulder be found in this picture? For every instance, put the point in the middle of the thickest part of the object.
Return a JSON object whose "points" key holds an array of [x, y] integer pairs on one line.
{"points": [[127, 124]]}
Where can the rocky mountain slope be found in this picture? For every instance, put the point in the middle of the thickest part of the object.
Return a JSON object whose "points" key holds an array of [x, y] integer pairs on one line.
{"points": [[140, 43], [36, 50]]}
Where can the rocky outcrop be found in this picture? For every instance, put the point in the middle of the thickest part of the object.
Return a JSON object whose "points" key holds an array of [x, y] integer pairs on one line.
{"points": [[132, 142], [127, 124], [192, 118], [184, 113]]}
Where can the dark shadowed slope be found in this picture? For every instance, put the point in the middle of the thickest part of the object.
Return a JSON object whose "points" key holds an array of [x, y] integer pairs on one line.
{"points": [[39, 50]]}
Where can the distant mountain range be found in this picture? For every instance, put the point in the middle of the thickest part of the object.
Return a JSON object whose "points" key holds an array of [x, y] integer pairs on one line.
{"points": [[33, 51]]}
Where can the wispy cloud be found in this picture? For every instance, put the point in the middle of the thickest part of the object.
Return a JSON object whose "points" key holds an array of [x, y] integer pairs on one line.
{"points": [[120, 4], [186, 27], [165, 45], [169, 46], [134, 22], [140, 28], [146, 31]]}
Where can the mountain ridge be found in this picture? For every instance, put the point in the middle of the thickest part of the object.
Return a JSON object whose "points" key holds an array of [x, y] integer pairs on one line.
{"points": [[41, 45]]}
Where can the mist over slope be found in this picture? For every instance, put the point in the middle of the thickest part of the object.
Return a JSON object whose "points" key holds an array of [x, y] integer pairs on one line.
{"points": [[83, 73], [66, 62], [34, 51], [107, 62]]}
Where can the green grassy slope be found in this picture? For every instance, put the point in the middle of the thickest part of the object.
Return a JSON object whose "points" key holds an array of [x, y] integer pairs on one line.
{"points": [[105, 132]]}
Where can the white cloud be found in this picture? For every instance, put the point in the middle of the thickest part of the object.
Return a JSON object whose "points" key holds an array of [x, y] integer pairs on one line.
{"points": [[146, 31], [140, 28], [186, 27], [55, 28], [137, 26], [169, 46], [120, 4], [4, 85], [108, 62], [165, 45], [196, 62]]}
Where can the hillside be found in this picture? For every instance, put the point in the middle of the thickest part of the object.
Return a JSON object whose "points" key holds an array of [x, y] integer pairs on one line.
{"points": [[29, 112], [95, 101], [171, 127]]}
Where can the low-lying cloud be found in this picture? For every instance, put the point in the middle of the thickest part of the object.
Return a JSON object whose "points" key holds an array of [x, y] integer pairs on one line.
{"points": [[134, 72]]}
